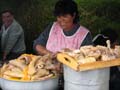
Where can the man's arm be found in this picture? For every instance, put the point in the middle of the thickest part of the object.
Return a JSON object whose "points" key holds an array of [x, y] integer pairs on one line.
{"points": [[12, 39]]}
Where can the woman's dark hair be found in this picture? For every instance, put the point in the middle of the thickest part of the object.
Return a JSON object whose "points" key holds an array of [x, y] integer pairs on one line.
{"points": [[64, 7]]}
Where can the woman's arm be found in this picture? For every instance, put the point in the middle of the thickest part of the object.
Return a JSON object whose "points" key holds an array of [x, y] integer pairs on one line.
{"points": [[42, 50], [39, 44]]}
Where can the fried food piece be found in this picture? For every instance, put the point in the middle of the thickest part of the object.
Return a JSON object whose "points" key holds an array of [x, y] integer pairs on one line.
{"points": [[31, 66], [87, 60], [14, 74], [18, 64], [40, 73]]}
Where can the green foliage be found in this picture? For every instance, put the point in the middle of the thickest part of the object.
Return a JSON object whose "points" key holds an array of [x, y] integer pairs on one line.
{"points": [[99, 14], [34, 15]]}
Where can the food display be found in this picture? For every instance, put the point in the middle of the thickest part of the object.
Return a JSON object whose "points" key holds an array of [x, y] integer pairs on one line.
{"points": [[29, 67], [90, 57]]}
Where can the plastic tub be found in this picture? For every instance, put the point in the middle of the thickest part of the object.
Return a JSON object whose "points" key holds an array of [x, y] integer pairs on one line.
{"points": [[50, 84]]}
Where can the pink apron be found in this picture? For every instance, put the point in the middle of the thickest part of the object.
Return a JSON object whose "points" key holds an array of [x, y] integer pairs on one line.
{"points": [[58, 41]]}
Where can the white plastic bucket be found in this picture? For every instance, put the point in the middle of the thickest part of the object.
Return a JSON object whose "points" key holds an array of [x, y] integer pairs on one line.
{"points": [[82, 80], [50, 84], [71, 86]]}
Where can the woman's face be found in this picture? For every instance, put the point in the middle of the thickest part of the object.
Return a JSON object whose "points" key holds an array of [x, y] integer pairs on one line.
{"points": [[66, 21]]}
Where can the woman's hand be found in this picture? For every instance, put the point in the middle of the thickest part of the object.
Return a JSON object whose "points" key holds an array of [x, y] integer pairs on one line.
{"points": [[41, 50]]}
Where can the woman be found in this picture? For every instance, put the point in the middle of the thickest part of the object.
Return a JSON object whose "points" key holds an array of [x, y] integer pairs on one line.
{"points": [[66, 32], [67, 24]]}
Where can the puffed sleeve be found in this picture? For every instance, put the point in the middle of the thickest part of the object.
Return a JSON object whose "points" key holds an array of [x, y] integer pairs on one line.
{"points": [[87, 40]]}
